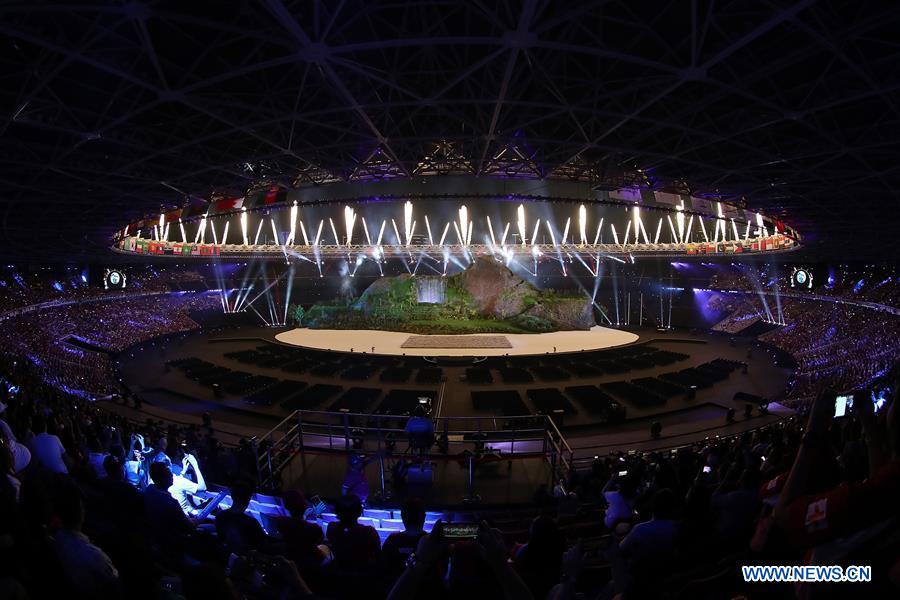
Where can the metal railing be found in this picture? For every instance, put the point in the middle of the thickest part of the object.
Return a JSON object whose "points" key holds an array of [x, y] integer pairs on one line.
{"points": [[385, 435]]}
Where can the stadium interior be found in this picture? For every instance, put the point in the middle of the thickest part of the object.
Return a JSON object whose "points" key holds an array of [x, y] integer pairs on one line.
{"points": [[516, 299]]}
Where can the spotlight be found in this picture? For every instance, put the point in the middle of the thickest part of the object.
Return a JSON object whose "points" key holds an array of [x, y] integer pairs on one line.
{"points": [[764, 408]]}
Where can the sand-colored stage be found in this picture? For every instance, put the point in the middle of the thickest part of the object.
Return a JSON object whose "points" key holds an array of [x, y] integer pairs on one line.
{"points": [[390, 342]]}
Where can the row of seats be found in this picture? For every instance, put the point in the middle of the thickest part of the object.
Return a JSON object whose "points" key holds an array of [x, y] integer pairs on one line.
{"points": [[352, 367], [555, 368], [294, 395], [550, 401]]}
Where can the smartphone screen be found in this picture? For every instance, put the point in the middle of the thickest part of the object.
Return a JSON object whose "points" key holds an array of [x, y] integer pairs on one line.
{"points": [[842, 406], [707, 469], [623, 473], [460, 531]]}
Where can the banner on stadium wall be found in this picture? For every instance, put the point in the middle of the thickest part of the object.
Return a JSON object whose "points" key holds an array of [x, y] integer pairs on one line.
{"points": [[667, 199], [186, 249], [626, 194], [702, 206]]}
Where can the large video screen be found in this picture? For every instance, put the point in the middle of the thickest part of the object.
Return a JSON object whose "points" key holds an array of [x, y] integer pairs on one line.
{"points": [[114, 279]]}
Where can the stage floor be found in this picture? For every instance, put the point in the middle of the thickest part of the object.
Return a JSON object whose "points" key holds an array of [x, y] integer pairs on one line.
{"points": [[391, 342]]}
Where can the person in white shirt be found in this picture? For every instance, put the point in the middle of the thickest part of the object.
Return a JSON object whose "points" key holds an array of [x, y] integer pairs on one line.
{"points": [[46, 448], [619, 493], [182, 488], [85, 565]]}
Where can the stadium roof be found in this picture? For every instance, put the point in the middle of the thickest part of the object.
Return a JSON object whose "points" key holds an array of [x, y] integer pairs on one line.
{"points": [[109, 111]]}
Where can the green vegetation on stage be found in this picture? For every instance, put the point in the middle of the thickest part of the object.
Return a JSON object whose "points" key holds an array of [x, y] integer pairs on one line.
{"points": [[486, 298]]}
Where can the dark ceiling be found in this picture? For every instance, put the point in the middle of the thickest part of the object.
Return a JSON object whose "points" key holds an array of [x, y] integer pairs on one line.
{"points": [[109, 110]]}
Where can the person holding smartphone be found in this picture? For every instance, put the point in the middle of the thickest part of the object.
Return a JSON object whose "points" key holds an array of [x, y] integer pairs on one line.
{"points": [[811, 517], [620, 493], [486, 551]]}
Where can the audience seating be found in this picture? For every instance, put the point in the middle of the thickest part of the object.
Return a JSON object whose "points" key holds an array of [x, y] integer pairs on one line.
{"points": [[479, 376], [395, 375], [548, 401], [632, 394], [515, 375], [430, 375], [356, 399], [597, 403], [507, 403]]}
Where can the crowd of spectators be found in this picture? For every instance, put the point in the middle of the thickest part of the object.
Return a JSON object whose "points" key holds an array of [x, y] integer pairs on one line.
{"points": [[70, 343], [840, 344], [835, 345], [89, 507], [24, 287], [75, 524], [871, 283]]}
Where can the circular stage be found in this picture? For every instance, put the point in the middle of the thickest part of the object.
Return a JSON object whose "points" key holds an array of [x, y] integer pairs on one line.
{"points": [[395, 343]]}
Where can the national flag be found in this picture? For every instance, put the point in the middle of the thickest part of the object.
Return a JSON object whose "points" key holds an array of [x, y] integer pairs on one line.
{"points": [[273, 195], [195, 250], [691, 249], [226, 205], [186, 249], [194, 208]]}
